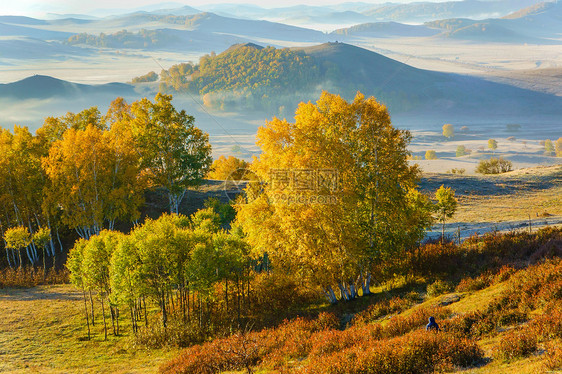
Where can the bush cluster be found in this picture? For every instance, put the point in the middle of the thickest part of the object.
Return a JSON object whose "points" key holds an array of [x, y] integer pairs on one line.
{"points": [[417, 352], [399, 346], [381, 309], [494, 166], [481, 254], [553, 357], [439, 287], [30, 277]]}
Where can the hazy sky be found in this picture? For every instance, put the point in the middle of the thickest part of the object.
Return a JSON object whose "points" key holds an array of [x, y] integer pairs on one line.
{"points": [[37, 7]]}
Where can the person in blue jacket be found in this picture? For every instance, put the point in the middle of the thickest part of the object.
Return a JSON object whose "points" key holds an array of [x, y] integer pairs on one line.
{"points": [[432, 325]]}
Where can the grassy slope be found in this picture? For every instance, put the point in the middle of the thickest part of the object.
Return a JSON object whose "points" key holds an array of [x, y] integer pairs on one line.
{"points": [[42, 330], [510, 196]]}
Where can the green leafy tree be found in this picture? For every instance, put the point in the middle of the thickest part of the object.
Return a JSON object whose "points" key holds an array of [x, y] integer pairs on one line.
{"points": [[549, 149], [163, 247], [492, 144], [74, 264], [558, 147], [462, 151], [17, 238], [127, 287], [96, 268], [174, 153], [42, 237], [446, 205]]}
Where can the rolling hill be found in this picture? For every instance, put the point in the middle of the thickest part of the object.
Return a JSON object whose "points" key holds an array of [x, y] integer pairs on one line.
{"points": [[360, 12], [173, 40], [428, 11], [540, 24], [345, 69], [386, 30], [45, 87], [22, 48], [208, 23], [7, 29]]}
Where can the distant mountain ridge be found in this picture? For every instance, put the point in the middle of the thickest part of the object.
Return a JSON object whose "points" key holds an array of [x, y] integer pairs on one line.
{"points": [[384, 12], [45, 87], [387, 29], [540, 23]]}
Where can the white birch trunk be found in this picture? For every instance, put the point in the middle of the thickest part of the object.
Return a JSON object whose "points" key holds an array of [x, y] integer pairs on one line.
{"points": [[343, 291], [330, 295], [366, 284]]}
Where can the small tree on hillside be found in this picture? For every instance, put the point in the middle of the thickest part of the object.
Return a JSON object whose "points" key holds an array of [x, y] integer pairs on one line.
{"points": [[494, 166], [448, 130], [462, 151], [548, 147], [558, 147], [492, 144], [430, 155], [41, 239], [17, 238], [446, 205]]}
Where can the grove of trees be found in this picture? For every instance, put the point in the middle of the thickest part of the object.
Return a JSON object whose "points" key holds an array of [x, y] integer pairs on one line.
{"points": [[173, 262], [246, 76], [335, 206], [86, 171], [462, 151]]}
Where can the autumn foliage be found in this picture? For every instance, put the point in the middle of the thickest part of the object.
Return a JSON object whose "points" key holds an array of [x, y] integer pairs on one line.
{"points": [[319, 348]]}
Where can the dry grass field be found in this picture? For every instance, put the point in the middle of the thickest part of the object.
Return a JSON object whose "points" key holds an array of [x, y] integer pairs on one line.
{"points": [[43, 330]]}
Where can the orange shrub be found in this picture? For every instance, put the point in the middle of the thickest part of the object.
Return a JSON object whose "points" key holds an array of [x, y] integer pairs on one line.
{"points": [[553, 357], [270, 347], [417, 352], [399, 325], [548, 325], [515, 344], [381, 309], [473, 284]]}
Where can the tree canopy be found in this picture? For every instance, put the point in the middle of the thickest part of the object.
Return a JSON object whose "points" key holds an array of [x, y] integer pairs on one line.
{"points": [[340, 196], [174, 153], [448, 130]]}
